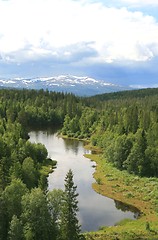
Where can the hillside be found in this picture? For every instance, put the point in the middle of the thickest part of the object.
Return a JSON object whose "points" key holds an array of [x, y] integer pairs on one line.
{"points": [[129, 94]]}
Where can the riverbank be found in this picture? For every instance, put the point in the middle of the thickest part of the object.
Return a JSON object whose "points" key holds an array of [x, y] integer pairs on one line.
{"points": [[142, 193], [119, 185], [70, 155]]}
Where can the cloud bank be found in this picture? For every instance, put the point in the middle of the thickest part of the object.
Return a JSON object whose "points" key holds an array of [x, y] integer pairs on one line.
{"points": [[141, 2], [76, 32]]}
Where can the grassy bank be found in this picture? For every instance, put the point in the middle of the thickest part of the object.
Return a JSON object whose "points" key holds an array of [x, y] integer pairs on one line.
{"points": [[49, 167], [142, 193]]}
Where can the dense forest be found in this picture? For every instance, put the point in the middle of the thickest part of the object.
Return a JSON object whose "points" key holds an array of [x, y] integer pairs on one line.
{"points": [[27, 210], [124, 125]]}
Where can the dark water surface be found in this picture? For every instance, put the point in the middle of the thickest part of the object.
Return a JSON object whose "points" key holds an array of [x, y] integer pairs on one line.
{"points": [[95, 209]]}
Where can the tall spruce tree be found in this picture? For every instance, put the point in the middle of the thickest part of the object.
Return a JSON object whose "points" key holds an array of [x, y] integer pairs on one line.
{"points": [[70, 228]]}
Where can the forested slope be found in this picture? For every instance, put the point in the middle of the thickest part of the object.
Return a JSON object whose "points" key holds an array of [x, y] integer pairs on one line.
{"points": [[126, 128]]}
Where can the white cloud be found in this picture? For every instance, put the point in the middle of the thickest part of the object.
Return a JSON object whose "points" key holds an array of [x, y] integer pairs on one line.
{"points": [[141, 2], [144, 86], [30, 29]]}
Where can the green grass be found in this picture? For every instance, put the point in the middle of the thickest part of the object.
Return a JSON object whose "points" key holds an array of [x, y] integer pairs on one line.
{"points": [[141, 193]]}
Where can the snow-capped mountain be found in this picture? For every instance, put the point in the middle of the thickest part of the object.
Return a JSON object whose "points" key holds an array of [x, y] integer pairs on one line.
{"points": [[82, 86]]}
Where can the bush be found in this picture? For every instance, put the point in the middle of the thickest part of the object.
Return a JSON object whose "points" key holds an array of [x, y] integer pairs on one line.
{"points": [[98, 180]]}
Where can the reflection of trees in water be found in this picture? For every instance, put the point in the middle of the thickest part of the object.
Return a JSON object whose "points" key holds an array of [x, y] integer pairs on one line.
{"points": [[71, 144], [126, 207]]}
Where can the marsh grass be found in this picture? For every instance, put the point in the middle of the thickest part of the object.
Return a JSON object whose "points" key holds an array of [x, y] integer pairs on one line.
{"points": [[142, 193]]}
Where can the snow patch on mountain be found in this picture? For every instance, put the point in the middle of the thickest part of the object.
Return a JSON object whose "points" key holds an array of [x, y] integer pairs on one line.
{"points": [[84, 86]]}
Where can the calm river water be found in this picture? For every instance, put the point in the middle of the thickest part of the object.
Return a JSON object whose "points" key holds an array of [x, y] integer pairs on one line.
{"points": [[95, 210]]}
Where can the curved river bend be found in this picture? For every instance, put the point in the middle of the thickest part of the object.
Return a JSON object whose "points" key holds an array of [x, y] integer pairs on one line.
{"points": [[95, 210]]}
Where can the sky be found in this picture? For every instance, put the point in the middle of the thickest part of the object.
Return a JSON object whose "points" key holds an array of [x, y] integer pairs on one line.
{"points": [[111, 40]]}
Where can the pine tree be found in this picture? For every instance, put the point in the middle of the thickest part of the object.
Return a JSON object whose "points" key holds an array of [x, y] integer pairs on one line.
{"points": [[70, 229]]}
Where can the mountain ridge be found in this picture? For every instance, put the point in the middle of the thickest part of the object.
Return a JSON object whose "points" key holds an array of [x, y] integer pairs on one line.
{"points": [[82, 86]]}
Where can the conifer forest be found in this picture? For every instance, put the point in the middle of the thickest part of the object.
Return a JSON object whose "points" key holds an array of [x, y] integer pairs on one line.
{"points": [[124, 125]]}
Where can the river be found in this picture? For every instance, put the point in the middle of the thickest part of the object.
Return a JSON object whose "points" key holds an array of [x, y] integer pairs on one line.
{"points": [[95, 210]]}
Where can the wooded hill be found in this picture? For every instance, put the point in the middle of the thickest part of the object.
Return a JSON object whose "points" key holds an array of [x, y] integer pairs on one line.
{"points": [[124, 125]]}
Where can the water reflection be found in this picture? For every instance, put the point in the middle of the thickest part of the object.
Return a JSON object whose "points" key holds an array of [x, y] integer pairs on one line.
{"points": [[126, 207], [95, 210], [71, 144]]}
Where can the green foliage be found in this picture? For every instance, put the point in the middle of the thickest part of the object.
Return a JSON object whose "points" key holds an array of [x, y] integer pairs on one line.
{"points": [[12, 196], [29, 173], [55, 201], [109, 120], [70, 229], [124, 125], [3, 218], [98, 180], [35, 216], [16, 229]]}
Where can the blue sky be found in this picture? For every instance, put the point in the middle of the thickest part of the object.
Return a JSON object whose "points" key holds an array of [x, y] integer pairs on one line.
{"points": [[111, 40]]}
